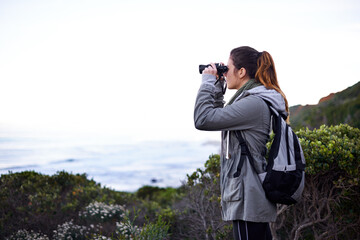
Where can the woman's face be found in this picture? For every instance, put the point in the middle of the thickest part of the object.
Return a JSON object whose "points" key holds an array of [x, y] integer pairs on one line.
{"points": [[232, 78]]}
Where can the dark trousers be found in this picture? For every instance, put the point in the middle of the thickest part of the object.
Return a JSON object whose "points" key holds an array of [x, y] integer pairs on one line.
{"points": [[251, 230]]}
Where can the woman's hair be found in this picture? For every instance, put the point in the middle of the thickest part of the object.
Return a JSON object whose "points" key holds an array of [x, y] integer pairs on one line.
{"points": [[259, 66]]}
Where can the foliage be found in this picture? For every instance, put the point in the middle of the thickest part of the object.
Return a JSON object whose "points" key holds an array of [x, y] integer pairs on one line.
{"points": [[157, 230], [63, 206], [329, 208], [330, 149], [124, 227]]}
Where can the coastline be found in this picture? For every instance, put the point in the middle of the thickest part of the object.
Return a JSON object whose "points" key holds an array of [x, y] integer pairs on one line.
{"points": [[122, 167]]}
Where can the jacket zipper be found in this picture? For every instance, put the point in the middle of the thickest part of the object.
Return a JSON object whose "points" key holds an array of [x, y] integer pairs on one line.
{"points": [[227, 145]]}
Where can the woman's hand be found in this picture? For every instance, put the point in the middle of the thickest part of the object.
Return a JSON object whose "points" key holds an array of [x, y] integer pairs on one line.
{"points": [[210, 70]]}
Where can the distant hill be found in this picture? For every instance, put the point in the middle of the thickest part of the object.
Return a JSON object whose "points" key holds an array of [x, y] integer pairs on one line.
{"points": [[336, 108]]}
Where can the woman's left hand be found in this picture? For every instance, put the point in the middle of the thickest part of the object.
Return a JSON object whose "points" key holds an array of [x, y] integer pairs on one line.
{"points": [[211, 70]]}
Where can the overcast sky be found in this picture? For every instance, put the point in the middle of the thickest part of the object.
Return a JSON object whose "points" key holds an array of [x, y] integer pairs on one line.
{"points": [[130, 67]]}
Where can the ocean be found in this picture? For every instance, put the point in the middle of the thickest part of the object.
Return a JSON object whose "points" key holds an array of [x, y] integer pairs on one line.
{"points": [[119, 165]]}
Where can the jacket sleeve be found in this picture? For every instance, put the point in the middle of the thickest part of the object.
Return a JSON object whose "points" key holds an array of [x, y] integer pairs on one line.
{"points": [[211, 115]]}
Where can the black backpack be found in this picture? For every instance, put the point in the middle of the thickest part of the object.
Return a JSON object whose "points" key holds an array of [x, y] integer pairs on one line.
{"points": [[284, 178]]}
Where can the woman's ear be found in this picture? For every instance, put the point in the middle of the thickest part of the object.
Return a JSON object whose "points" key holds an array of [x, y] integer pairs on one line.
{"points": [[241, 73]]}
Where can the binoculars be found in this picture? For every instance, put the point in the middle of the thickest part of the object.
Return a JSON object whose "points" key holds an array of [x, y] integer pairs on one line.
{"points": [[220, 68]]}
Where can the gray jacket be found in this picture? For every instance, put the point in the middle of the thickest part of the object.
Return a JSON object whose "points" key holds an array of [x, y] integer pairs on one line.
{"points": [[242, 197]]}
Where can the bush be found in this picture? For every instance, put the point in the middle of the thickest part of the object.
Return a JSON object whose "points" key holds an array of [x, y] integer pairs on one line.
{"points": [[63, 205], [329, 208], [30, 200], [123, 227], [157, 230]]}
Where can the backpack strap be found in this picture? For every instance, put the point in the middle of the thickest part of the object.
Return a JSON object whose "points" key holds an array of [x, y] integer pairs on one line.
{"points": [[273, 111], [277, 123], [244, 152]]}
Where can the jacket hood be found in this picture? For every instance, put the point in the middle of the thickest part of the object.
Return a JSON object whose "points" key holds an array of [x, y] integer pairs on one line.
{"points": [[274, 98]]}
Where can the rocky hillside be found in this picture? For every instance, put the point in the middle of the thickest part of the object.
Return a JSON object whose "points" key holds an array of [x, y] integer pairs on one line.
{"points": [[340, 107]]}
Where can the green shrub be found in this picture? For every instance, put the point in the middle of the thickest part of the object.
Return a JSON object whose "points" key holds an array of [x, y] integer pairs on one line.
{"points": [[329, 208], [96, 217], [29, 200], [157, 230], [127, 229]]}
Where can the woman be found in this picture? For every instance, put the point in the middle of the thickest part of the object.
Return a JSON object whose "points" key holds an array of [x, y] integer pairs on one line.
{"points": [[253, 74]]}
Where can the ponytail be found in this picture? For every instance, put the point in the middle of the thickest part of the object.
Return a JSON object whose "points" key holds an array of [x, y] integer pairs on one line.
{"points": [[258, 65], [266, 74]]}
